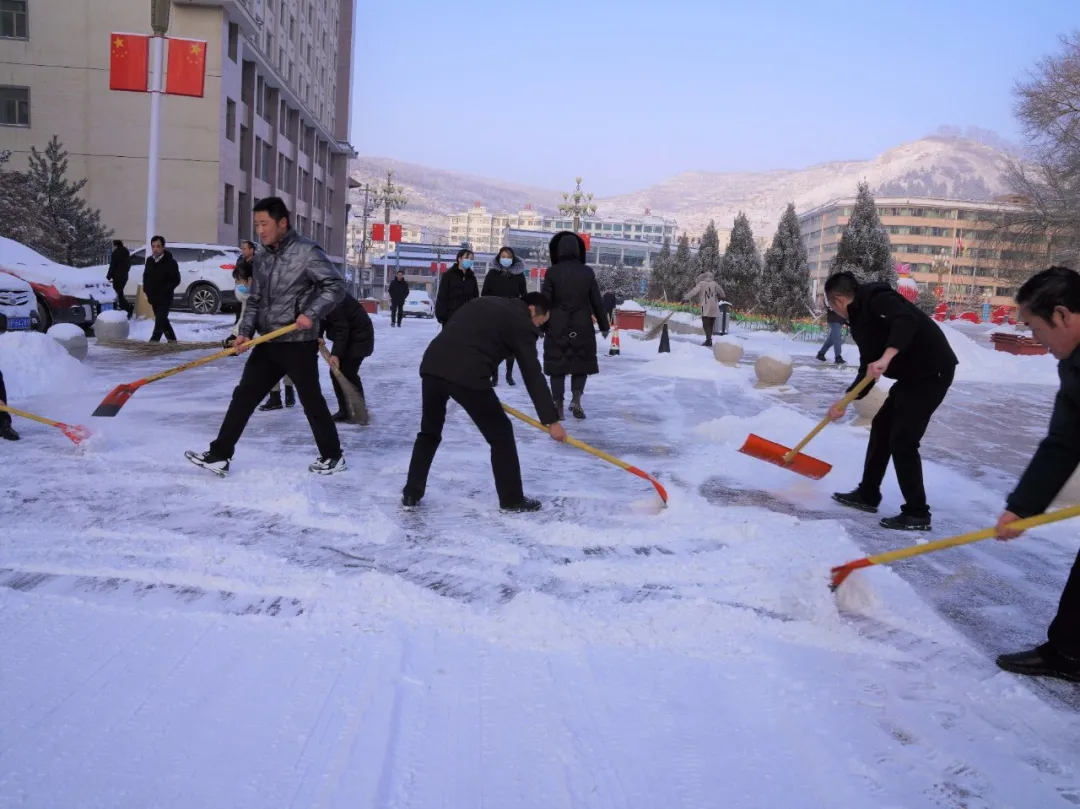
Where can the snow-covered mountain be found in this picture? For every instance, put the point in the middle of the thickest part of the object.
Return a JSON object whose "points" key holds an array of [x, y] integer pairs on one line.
{"points": [[939, 166]]}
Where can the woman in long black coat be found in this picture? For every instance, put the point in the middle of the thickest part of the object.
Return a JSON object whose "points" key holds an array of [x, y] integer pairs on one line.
{"points": [[456, 288], [570, 343]]}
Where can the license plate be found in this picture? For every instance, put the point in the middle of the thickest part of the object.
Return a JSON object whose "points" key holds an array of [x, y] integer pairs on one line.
{"points": [[17, 323], [106, 307]]}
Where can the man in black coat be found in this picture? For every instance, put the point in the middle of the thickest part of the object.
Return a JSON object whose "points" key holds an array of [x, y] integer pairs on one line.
{"points": [[506, 280], [7, 432], [456, 288], [350, 329], [835, 340], [119, 269], [570, 342], [161, 277], [399, 293], [898, 340], [609, 302], [458, 365], [1050, 303]]}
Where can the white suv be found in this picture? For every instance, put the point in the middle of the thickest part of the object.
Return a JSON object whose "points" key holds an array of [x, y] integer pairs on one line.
{"points": [[206, 280]]}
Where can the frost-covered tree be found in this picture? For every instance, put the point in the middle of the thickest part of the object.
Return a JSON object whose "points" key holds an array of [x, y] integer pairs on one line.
{"points": [[785, 280], [709, 255], [740, 269], [864, 246], [927, 301], [624, 281], [21, 215], [683, 269], [660, 280]]}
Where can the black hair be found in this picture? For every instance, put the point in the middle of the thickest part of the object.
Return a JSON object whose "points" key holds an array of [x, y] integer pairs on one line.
{"points": [[248, 243], [464, 251], [539, 301], [505, 249], [157, 239], [275, 207], [842, 283], [1043, 292], [117, 243], [399, 271]]}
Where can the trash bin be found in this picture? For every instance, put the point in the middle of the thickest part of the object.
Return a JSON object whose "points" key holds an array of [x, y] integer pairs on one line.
{"points": [[725, 317]]}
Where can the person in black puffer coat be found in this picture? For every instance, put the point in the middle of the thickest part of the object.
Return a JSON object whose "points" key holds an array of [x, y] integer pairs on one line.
{"points": [[570, 343], [457, 287], [399, 293], [506, 280], [350, 329]]}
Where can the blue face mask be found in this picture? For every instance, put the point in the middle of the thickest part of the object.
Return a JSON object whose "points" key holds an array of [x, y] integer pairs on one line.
{"points": [[242, 289], [506, 262], [466, 264]]}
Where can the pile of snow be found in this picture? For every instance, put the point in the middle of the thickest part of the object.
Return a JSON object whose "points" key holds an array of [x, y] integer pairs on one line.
{"points": [[777, 355], [984, 364], [631, 306], [66, 331], [36, 364], [113, 316]]}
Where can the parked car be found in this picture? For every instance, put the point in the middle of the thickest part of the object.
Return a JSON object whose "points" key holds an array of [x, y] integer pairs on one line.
{"points": [[64, 294], [418, 304], [18, 306]]}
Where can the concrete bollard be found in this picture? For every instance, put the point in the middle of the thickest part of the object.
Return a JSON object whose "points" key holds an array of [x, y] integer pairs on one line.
{"points": [[727, 352], [72, 338], [773, 370], [112, 326]]}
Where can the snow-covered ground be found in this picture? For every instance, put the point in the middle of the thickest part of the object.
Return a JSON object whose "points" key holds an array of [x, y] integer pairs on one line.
{"points": [[276, 639]]}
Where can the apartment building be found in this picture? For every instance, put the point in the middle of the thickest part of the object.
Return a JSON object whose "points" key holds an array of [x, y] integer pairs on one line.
{"points": [[949, 245], [274, 120]]}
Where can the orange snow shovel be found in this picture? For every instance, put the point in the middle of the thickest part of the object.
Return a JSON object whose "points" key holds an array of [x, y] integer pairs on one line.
{"points": [[119, 395], [611, 459], [843, 571], [76, 433], [793, 459]]}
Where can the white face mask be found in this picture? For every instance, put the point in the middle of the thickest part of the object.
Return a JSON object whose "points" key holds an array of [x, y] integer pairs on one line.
{"points": [[506, 262]]}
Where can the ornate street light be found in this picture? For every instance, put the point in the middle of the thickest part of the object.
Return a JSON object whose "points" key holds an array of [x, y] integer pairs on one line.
{"points": [[391, 198], [578, 205]]}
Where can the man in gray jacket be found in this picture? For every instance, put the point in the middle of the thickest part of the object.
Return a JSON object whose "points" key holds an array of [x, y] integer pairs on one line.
{"points": [[293, 282]]}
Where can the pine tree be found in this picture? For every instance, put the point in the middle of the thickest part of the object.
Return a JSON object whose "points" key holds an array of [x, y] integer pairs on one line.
{"points": [[865, 242], [785, 281], [660, 280], [624, 281], [927, 301], [683, 269], [709, 255], [21, 215], [740, 273], [74, 225]]}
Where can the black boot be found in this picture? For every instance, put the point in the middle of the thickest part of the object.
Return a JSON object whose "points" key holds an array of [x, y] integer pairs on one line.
{"points": [[855, 500], [1041, 662], [340, 416], [821, 356], [576, 408], [526, 505], [559, 409], [906, 522], [510, 380], [839, 361], [495, 380], [273, 402], [290, 396], [7, 432]]}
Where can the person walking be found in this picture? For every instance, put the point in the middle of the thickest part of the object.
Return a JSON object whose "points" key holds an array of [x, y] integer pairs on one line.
{"points": [[161, 277], [506, 280], [457, 287], [119, 271], [707, 293], [350, 330], [1049, 303], [898, 340], [609, 301], [570, 342], [835, 340], [273, 400], [242, 275], [399, 293], [294, 282], [458, 365]]}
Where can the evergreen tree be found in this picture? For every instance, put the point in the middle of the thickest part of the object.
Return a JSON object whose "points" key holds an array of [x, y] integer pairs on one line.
{"points": [[709, 255], [740, 273], [683, 269], [21, 215], [927, 301], [785, 281], [865, 242], [73, 224], [624, 281], [660, 280]]}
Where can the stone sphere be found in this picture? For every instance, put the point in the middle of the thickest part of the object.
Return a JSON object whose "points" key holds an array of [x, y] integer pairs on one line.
{"points": [[867, 407], [72, 338], [112, 326], [773, 369], [727, 351]]}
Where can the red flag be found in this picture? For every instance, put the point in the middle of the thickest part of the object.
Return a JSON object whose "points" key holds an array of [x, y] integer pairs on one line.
{"points": [[587, 238], [187, 68], [395, 233], [378, 232], [129, 58]]}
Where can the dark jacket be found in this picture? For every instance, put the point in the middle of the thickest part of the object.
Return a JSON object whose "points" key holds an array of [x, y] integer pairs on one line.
{"points": [[349, 327], [456, 288], [1059, 453], [160, 279], [508, 283], [469, 350], [119, 266], [879, 317], [292, 279], [243, 270], [833, 317], [570, 285], [609, 301], [399, 291]]}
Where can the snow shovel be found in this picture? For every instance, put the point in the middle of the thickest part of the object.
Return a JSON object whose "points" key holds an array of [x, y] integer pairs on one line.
{"points": [[843, 571], [354, 402], [76, 433], [611, 459], [793, 459], [119, 395]]}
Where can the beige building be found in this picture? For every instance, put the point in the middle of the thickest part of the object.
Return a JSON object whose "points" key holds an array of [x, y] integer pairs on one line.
{"points": [[274, 120], [947, 244]]}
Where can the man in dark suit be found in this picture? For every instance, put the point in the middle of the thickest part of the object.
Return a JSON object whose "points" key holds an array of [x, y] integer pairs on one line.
{"points": [[160, 280], [119, 270]]}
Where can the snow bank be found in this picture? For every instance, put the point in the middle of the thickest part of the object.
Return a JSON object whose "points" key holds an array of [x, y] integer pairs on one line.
{"points": [[631, 306], [65, 331], [980, 363], [36, 364], [113, 316]]}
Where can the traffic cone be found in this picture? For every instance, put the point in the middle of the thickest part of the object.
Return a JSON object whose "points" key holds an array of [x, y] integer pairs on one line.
{"points": [[614, 350], [665, 342]]}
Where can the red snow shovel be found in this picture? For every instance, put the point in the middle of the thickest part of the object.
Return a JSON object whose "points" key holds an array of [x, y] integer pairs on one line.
{"points": [[793, 459], [76, 433], [119, 395]]}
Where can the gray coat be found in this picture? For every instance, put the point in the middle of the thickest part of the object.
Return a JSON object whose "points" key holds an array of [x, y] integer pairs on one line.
{"points": [[294, 279], [708, 294]]}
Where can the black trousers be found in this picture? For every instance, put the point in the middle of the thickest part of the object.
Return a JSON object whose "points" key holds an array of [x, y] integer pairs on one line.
{"points": [[122, 301], [896, 433], [397, 312], [350, 369], [266, 365], [1064, 632], [162, 324], [708, 325], [509, 370], [487, 414], [558, 385], [5, 418]]}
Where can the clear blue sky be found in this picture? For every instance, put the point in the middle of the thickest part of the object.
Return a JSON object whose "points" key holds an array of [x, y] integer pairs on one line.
{"points": [[627, 93]]}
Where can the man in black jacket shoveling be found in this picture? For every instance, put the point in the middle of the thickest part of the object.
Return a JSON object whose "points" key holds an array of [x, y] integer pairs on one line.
{"points": [[349, 328], [898, 340], [1050, 303], [458, 365]]}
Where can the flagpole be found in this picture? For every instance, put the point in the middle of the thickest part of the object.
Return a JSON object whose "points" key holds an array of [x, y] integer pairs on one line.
{"points": [[157, 49]]}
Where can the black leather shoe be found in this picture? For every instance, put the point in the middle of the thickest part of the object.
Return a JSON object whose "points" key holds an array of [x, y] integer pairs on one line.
{"points": [[7, 432], [409, 503], [1041, 662], [854, 500], [905, 522], [526, 505]]}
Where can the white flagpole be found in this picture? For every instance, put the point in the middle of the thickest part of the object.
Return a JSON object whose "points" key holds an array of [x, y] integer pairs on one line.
{"points": [[157, 51]]}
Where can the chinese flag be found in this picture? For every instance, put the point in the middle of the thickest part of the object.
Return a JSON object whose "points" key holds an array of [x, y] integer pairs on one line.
{"points": [[395, 233], [129, 58], [187, 68], [378, 232], [587, 238]]}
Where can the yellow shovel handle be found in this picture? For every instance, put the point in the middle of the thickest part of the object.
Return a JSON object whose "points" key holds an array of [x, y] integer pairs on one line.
{"points": [[228, 352], [569, 440], [23, 414], [849, 397]]}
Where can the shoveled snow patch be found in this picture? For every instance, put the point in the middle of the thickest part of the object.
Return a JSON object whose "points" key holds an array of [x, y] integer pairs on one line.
{"points": [[113, 316], [65, 331], [984, 364], [34, 364], [631, 306]]}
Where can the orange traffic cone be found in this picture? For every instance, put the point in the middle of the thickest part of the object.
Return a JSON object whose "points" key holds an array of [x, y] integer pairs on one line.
{"points": [[614, 350]]}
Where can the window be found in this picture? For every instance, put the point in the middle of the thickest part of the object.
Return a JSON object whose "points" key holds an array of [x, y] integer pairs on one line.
{"points": [[230, 194], [292, 29], [245, 150], [14, 106], [329, 243], [268, 102], [329, 203], [234, 39], [13, 19], [245, 216], [281, 58], [184, 254], [230, 119], [282, 13], [260, 97], [311, 15], [319, 194], [281, 171], [283, 117], [267, 162]]}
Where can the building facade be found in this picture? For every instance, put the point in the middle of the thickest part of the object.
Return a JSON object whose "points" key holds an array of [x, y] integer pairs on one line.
{"points": [[950, 246], [274, 120]]}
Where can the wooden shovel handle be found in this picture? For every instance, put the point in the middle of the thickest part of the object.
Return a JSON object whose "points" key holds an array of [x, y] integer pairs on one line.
{"points": [[228, 352], [849, 397]]}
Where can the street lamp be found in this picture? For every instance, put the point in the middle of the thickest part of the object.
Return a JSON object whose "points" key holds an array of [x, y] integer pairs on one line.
{"points": [[391, 198], [579, 208]]}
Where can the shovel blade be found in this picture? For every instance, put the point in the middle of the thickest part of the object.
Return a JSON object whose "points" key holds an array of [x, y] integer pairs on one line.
{"points": [[771, 452], [77, 433], [116, 399]]}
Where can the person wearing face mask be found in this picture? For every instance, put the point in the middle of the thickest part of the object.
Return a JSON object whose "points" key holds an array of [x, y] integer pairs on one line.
{"points": [[242, 274], [506, 280], [457, 287]]}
